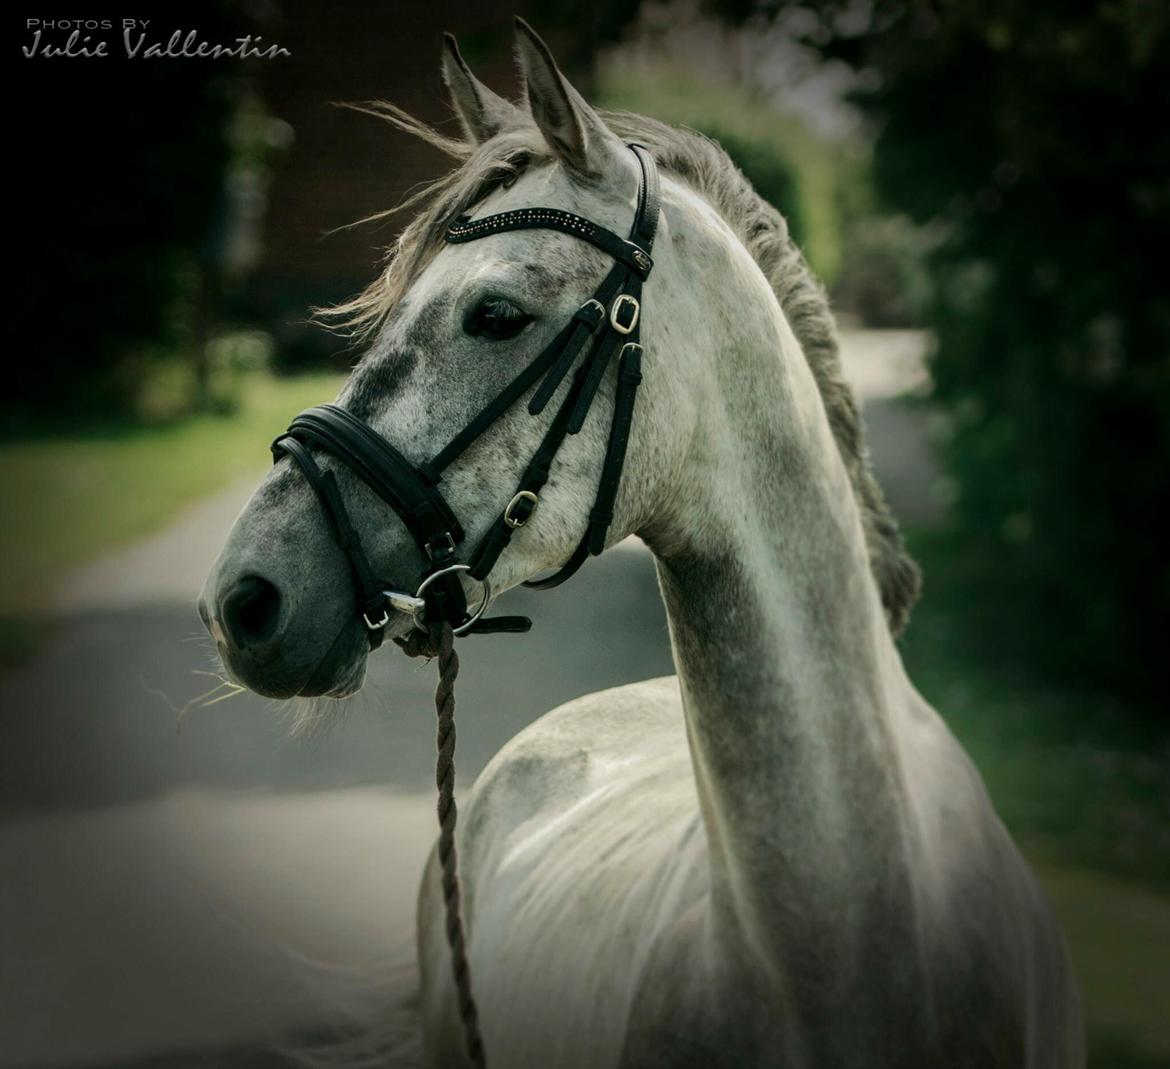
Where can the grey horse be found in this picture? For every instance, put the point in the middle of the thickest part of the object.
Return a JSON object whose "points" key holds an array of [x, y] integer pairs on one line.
{"points": [[778, 857]]}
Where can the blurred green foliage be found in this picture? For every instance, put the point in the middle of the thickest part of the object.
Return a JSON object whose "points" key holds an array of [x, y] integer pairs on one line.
{"points": [[815, 185], [885, 280], [85, 490], [1032, 138], [1072, 773], [120, 226]]}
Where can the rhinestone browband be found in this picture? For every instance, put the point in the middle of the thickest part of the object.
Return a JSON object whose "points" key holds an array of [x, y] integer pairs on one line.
{"points": [[464, 229], [628, 252]]}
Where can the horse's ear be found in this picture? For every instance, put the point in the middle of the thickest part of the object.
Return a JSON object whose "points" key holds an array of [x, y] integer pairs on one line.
{"points": [[482, 112], [573, 130]]}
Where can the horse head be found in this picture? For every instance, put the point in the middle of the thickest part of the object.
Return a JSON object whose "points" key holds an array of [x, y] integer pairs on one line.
{"points": [[450, 325]]}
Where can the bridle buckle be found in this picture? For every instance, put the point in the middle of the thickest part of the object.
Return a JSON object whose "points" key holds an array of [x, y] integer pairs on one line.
{"points": [[448, 548], [377, 625], [593, 302], [519, 521], [615, 310]]}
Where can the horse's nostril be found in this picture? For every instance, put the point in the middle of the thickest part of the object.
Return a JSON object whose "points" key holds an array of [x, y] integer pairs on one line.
{"points": [[251, 610]]}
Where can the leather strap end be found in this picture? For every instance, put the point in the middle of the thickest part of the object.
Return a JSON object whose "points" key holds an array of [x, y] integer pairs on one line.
{"points": [[489, 549], [499, 625], [599, 523]]}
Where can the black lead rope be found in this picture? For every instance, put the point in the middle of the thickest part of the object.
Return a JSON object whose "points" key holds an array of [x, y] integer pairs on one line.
{"points": [[606, 327], [443, 640]]}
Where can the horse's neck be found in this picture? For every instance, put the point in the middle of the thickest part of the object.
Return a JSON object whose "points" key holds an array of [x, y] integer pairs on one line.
{"points": [[792, 688]]}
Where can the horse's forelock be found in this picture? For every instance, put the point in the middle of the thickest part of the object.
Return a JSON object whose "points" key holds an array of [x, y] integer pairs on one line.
{"points": [[482, 169]]}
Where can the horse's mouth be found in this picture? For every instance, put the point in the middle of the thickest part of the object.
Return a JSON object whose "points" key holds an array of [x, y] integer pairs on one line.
{"points": [[342, 670], [286, 669], [339, 673], [348, 683]]}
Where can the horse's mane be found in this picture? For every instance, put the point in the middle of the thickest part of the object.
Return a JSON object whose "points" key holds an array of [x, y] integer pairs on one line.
{"points": [[702, 164]]}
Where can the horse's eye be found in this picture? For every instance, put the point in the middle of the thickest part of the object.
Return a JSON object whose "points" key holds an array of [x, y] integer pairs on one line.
{"points": [[496, 318]]}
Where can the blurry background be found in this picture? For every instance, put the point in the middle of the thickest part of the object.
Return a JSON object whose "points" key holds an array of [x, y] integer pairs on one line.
{"points": [[984, 188]]}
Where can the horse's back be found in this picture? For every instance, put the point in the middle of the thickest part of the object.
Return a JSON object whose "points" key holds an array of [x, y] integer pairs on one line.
{"points": [[582, 853]]}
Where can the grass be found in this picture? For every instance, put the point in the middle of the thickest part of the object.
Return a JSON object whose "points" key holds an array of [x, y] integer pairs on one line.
{"points": [[73, 496], [1118, 934]]}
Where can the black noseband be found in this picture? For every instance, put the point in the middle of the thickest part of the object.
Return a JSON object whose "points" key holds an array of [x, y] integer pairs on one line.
{"points": [[606, 324]]}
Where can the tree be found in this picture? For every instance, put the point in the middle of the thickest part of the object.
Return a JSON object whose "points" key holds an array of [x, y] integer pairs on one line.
{"points": [[1034, 138], [119, 171]]}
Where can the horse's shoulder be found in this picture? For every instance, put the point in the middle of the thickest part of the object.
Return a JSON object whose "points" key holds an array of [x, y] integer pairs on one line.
{"points": [[594, 724], [571, 751]]}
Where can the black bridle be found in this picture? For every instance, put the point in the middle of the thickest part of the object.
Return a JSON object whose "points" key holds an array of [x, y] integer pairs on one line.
{"points": [[607, 323]]}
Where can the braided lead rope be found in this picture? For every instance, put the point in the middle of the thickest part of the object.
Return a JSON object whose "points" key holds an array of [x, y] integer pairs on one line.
{"points": [[442, 640]]}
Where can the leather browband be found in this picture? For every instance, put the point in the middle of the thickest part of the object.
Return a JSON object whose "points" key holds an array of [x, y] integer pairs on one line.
{"points": [[625, 251]]}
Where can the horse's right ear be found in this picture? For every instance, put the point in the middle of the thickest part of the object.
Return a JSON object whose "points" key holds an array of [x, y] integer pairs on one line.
{"points": [[573, 130], [482, 112]]}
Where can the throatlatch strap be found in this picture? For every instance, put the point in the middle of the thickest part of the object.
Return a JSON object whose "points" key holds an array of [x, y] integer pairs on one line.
{"points": [[601, 515], [629, 379]]}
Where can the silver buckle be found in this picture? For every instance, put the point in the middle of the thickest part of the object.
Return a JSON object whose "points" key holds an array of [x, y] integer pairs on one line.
{"points": [[616, 306], [596, 304], [377, 626], [450, 545], [523, 495]]}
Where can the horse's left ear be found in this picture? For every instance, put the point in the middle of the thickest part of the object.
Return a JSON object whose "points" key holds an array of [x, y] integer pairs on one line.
{"points": [[573, 130]]}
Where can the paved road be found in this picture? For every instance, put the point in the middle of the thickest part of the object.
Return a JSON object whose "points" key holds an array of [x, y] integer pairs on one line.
{"points": [[92, 719], [159, 870]]}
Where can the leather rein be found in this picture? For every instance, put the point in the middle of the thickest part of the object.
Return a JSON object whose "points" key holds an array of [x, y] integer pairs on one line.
{"points": [[607, 324]]}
